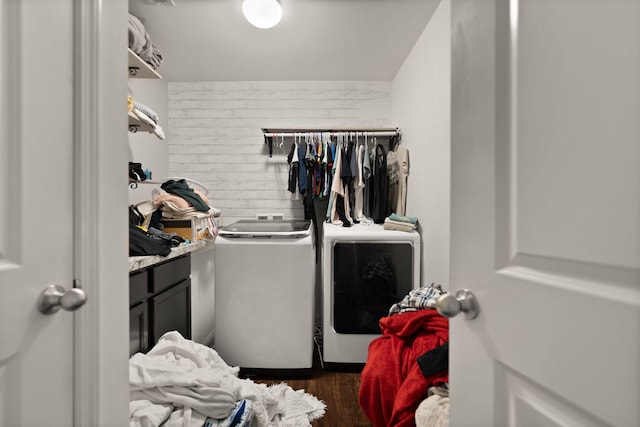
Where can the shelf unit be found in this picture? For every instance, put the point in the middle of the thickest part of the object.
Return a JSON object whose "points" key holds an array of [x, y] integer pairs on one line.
{"points": [[137, 125], [139, 69]]}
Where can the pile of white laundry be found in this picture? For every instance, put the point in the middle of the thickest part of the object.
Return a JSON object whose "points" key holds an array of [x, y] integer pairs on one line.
{"points": [[182, 383]]}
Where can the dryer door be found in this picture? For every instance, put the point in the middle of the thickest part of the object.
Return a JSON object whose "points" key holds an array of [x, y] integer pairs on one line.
{"points": [[368, 278]]}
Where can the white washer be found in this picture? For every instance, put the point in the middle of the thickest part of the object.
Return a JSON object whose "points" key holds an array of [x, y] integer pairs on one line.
{"points": [[365, 269], [264, 294]]}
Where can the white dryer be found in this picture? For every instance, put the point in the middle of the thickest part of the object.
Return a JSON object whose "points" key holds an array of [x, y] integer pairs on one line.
{"points": [[264, 294], [365, 270]]}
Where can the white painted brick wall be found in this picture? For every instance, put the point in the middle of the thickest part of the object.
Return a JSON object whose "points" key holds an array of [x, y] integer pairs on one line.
{"points": [[214, 135]]}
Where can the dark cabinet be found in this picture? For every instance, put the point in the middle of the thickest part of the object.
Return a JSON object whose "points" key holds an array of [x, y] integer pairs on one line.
{"points": [[171, 310], [159, 301], [138, 328]]}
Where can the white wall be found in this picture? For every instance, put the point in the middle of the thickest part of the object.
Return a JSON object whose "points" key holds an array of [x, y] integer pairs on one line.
{"points": [[202, 296], [421, 108], [215, 135]]}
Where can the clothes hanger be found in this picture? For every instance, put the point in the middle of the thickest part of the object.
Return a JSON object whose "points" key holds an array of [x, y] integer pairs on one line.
{"points": [[281, 145]]}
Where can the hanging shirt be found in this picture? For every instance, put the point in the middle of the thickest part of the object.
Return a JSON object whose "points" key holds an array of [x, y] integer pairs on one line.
{"points": [[328, 165], [380, 188], [398, 172], [302, 168], [359, 187], [369, 187], [292, 159], [340, 207], [329, 185]]}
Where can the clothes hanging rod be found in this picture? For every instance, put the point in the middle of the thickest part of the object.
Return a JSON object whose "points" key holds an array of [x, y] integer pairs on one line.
{"points": [[359, 133], [274, 133]]}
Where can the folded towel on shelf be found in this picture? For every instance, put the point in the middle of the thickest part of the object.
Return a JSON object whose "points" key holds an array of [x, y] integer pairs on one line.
{"points": [[181, 188], [169, 213], [155, 59], [146, 110], [403, 218], [140, 42], [155, 128], [176, 203], [390, 224]]}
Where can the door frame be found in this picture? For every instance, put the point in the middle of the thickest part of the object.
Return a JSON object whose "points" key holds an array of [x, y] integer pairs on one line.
{"points": [[101, 387]]}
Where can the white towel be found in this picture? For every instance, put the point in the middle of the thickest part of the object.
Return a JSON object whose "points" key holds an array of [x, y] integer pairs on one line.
{"points": [[143, 413], [193, 380], [183, 373], [185, 417], [155, 128], [390, 224], [433, 412]]}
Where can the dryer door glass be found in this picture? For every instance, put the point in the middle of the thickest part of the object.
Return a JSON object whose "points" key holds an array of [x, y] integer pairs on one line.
{"points": [[368, 278]]}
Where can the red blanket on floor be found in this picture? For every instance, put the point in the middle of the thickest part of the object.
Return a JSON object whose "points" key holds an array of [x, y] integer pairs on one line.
{"points": [[392, 384]]}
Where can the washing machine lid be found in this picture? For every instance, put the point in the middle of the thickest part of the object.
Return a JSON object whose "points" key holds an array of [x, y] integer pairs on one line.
{"points": [[268, 228]]}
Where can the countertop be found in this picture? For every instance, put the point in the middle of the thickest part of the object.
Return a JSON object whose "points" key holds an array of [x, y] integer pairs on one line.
{"points": [[140, 262]]}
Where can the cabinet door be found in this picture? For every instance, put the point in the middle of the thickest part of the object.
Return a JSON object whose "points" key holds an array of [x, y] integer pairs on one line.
{"points": [[170, 273], [171, 310], [138, 287], [139, 328]]}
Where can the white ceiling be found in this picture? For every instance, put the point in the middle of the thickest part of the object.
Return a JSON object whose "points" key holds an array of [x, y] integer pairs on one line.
{"points": [[209, 40]]}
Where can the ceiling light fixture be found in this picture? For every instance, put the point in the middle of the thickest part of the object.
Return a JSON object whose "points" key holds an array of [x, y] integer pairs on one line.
{"points": [[262, 13]]}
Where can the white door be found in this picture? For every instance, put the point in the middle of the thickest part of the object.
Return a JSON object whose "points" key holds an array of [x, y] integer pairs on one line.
{"points": [[546, 212], [36, 212]]}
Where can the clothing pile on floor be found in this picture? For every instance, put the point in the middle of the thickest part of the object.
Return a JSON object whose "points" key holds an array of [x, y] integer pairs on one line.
{"points": [[408, 360], [182, 383]]}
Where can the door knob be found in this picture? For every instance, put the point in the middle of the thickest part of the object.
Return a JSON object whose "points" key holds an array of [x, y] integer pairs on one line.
{"points": [[55, 297], [464, 301]]}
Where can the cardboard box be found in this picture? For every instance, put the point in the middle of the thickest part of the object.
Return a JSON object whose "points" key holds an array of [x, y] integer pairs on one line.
{"points": [[193, 229]]}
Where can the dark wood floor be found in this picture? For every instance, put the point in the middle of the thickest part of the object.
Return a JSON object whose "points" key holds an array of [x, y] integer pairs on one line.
{"points": [[338, 390]]}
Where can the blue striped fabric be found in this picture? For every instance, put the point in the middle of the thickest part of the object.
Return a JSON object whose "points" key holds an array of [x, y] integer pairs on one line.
{"points": [[418, 299], [146, 111]]}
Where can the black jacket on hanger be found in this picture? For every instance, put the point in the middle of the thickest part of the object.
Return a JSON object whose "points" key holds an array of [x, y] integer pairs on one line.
{"points": [[379, 196]]}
